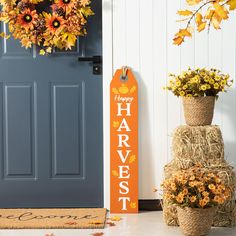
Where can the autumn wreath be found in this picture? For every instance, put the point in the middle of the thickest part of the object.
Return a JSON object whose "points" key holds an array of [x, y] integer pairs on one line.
{"points": [[48, 24]]}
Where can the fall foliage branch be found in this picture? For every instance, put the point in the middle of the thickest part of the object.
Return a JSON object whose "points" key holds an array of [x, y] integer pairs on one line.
{"points": [[215, 14], [194, 14]]}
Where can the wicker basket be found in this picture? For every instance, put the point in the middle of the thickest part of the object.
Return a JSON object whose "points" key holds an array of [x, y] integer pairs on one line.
{"points": [[195, 221], [198, 110]]}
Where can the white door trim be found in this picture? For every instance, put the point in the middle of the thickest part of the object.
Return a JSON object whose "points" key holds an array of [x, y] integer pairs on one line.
{"points": [[107, 25]]}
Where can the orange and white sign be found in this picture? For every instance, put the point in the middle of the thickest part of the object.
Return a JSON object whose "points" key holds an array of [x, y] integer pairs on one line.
{"points": [[124, 142]]}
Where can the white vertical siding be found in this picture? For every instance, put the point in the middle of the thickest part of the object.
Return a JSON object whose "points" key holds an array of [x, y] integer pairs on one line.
{"points": [[142, 39]]}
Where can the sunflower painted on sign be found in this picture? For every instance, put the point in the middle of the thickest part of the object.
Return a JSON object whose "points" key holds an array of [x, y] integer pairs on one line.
{"points": [[57, 28]]}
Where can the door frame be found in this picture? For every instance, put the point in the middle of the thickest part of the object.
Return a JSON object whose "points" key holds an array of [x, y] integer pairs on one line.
{"points": [[107, 34]]}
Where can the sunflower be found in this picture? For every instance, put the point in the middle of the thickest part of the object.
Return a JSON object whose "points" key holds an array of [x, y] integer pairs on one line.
{"points": [[27, 19], [66, 5], [54, 23]]}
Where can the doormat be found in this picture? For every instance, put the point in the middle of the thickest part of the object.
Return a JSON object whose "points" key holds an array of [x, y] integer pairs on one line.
{"points": [[61, 218]]}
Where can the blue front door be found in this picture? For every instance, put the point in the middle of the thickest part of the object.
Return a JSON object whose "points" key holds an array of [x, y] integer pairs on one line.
{"points": [[51, 124]]}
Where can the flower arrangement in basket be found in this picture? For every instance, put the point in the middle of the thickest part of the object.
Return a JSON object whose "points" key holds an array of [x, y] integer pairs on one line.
{"points": [[197, 192], [199, 89]]}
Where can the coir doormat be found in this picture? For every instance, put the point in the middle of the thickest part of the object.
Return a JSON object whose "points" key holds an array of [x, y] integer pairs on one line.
{"points": [[76, 218]]}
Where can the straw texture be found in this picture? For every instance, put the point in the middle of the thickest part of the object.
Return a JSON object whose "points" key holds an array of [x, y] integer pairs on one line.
{"points": [[204, 145], [198, 110], [200, 223]]}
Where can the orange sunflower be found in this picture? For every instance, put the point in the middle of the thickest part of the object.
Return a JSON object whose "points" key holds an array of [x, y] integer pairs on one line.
{"points": [[54, 23], [27, 19], [66, 5]]}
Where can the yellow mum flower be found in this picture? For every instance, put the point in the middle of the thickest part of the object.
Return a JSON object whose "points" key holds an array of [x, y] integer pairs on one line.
{"points": [[185, 191], [212, 74], [201, 189], [208, 86], [194, 80], [211, 175], [216, 86], [203, 87], [205, 194], [193, 199], [202, 203], [223, 82], [217, 78], [182, 93], [221, 187], [211, 81], [206, 79], [211, 186], [192, 177], [206, 199], [189, 95], [179, 198], [216, 199], [178, 83], [191, 184], [185, 87], [221, 200]]}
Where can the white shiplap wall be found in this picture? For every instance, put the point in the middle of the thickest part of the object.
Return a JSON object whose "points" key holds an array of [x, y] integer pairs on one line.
{"points": [[141, 32]]}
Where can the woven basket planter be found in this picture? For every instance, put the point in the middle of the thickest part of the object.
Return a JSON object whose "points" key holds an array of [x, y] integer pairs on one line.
{"points": [[195, 221], [198, 111]]}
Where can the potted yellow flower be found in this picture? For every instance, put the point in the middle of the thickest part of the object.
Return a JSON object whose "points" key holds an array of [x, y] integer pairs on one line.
{"points": [[197, 192], [199, 89]]}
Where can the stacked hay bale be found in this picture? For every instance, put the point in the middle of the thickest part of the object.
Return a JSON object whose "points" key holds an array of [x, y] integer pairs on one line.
{"points": [[201, 144]]}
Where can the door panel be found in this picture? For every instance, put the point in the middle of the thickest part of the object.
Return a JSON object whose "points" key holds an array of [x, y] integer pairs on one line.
{"points": [[51, 124], [67, 130], [18, 134]]}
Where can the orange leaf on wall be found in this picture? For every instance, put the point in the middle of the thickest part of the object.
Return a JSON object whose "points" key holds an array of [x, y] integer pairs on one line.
{"points": [[193, 2]]}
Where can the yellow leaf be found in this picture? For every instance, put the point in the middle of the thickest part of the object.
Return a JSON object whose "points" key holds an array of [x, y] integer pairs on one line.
{"points": [[4, 35], [132, 159], [49, 50], [185, 13], [216, 20], [184, 33], [154, 190], [133, 89], [193, 2], [115, 218], [178, 40], [71, 39], [116, 124], [42, 52], [133, 205], [221, 11], [115, 91], [115, 173], [198, 18], [96, 222], [209, 13], [84, 2], [232, 4], [86, 11], [201, 26]]}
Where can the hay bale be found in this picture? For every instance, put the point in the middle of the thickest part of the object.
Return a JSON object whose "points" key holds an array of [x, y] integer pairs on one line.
{"points": [[193, 144], [226, 213]]}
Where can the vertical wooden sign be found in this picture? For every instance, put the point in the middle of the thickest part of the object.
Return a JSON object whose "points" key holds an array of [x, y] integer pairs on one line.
{"points": [[124, 142]]}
